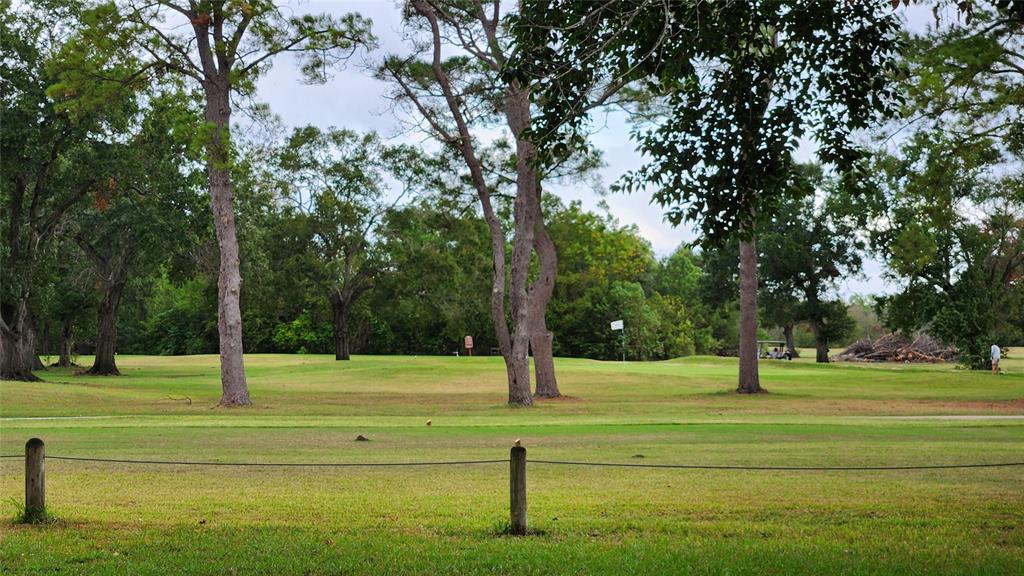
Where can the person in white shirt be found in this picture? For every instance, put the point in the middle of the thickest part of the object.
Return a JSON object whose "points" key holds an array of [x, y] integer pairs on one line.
{"points": [[996, 353]]}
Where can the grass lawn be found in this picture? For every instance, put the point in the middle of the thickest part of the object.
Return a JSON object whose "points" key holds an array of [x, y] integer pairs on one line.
{"points": [[171, 519]]}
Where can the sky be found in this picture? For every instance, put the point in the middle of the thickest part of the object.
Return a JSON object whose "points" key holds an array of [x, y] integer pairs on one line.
{"points": [[353, 99]]}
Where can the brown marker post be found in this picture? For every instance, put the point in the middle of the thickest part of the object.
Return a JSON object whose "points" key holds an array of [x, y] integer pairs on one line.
{"points": [[517, 490], [35, 479]]}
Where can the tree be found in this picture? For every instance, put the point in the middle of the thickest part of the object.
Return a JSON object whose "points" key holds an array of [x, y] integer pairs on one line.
{"points": [[336, 180], [432, 291], [68, 300], [738, 84], [683, 277], [951, 186], [227, 46], [454, 96], [810, 245], [966, 72], [949, 230], [134, 222], [55, 149], [602, 269]]}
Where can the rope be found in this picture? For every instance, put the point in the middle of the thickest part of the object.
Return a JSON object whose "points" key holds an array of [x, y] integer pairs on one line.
{"points": [[783, 468], [277, 464], [554, 462]]}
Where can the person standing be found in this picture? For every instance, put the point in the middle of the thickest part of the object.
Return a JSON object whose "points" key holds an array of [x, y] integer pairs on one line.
{"points": [[995, 353]]}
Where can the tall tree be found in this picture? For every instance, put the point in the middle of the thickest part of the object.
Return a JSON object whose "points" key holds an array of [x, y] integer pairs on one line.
{"points": [[226, 47], [949, 230], [134, 222], [455, 96], [68, 299], [55, 146], [438, 264], [812, 243], [950, 186], [739, 84], [337, 183]]}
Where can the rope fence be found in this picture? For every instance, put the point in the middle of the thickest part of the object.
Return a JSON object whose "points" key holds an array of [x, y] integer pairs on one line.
{"points": [[738, 467], [35, 484], [777, 468], [273, 464]]}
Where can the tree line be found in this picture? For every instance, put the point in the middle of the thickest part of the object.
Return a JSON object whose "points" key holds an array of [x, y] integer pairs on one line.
{"points": [[141, 215]]}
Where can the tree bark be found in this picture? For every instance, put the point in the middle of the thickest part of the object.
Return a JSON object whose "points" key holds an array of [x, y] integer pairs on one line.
{"points": [[340, 313], [234, 391], [541, 339], [67, 342], [749, 382], [787, 332], [17, 343], [106, 327], [37, 363], [820, 345], [525, 212]]}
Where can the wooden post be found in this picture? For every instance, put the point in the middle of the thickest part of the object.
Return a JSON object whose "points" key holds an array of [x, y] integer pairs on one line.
{"points": [[35, 479], [518, 490]]}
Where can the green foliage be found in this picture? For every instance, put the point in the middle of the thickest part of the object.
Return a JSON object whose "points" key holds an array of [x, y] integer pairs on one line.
{"points": [[437, 285], [303, 336], [967, 73], [805, 251], [862, 310], [958, 273], [740, 84], [182, 320], [948, 212]]}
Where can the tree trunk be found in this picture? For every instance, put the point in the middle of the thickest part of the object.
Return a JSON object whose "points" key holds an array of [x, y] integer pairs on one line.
{"points": [[820, 345], [513, 342], [525, 211], [749, 381], [106, 328], [340, 312], [541, 339], [46, 340], [67, 342], [37, 363], [17, 343], [234, 391], [787, 332], [519, 378]]}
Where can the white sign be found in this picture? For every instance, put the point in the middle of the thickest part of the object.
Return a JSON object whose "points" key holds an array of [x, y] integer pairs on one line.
{"points": [[617, 325]]}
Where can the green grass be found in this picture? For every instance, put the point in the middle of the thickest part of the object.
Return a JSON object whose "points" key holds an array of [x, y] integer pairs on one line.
{"points": [[131, 519]]}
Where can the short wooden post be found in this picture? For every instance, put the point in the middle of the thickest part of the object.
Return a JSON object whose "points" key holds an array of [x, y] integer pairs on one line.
{"points": [[518, 490], [35, 479]]}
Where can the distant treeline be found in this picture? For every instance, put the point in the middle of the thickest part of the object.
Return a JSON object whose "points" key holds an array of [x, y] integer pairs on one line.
{"points": [[435, 291]]}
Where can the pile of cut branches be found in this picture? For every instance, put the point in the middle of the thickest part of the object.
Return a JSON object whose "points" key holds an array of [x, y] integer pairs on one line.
{"points": [[898, 348]]}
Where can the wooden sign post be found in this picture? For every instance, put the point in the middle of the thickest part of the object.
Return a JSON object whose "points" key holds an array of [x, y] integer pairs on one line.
{"points": [[469, 344]]}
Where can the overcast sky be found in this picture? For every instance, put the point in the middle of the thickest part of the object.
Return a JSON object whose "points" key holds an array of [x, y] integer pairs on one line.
{"points": [[354, 100]]}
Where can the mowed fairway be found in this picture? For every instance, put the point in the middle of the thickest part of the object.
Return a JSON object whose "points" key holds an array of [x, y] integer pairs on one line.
{"points": [[175, 519]]}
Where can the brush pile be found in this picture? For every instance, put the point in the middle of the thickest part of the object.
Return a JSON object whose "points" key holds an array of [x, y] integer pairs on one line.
{"points": [[898, 348]]}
